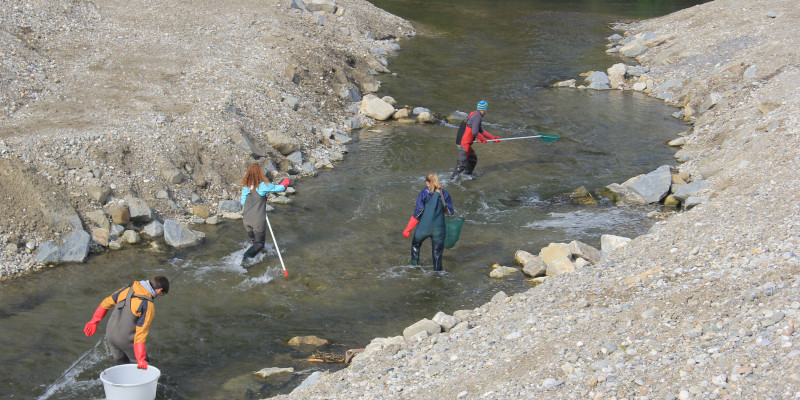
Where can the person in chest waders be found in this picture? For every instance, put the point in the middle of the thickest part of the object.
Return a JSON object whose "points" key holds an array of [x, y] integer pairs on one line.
{"points": [[254, 206], [428, 218], [468, 132], [129, 324]]}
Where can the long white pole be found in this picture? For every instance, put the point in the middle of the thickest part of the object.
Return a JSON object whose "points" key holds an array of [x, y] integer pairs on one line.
{"points": [[512, 138], [275, 242]]}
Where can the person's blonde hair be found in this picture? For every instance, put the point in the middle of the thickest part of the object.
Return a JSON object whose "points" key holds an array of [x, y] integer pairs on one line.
{"points": [[434, 180], [253, 177]]}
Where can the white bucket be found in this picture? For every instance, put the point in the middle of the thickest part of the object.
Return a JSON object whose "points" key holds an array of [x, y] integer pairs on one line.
{"points": [[128, 382]]}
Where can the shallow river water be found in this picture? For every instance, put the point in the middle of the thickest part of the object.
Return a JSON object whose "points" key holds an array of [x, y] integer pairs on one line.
{"points": [[349, 278]]}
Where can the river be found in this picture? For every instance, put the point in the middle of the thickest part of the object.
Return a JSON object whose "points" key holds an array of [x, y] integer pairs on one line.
{"points": [[349, 275]]}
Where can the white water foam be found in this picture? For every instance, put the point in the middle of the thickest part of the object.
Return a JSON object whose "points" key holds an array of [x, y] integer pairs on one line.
{"points": [[233, 263], [578, 222], [270, 274], [68, 381], [410, 272]]}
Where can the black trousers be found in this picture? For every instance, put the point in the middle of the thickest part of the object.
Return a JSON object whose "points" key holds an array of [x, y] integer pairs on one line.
{"points": [[257, 238]]}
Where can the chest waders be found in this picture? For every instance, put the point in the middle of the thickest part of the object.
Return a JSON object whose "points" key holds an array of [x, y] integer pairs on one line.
{"points": [[122, 328], [467, 159], [254, 217], [431, 225]]}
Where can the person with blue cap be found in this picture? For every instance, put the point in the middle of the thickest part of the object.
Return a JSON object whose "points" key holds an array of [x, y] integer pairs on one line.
{"points": [[468, 132]]}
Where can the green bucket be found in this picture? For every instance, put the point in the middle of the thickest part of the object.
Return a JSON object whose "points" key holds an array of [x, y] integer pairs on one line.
{"points": [[453, 229]]}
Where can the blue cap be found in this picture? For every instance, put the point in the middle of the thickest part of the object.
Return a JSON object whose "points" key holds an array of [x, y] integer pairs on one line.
{"points": [[482, 105]]}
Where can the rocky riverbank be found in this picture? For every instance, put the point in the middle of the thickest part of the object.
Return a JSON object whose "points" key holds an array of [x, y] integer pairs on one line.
{"points": [[706, 305], [109, 109]]}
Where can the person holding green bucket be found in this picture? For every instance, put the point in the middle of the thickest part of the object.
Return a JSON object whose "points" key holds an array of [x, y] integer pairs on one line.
{"points": [[429, 219]]}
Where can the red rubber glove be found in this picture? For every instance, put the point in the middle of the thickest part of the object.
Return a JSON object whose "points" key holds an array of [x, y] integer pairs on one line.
{"points": [[481, 138], [412, 223], [91, 326], [286, 182], [491, 137], [140, 352]]}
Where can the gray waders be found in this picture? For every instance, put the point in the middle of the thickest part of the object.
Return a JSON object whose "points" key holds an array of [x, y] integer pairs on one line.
{"points": [[121, 329], [431, 225], [254, 218], [465, 162]]}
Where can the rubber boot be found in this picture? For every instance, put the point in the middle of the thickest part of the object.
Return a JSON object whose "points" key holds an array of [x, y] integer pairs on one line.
{"points": [[415, 245], [437, 250]]}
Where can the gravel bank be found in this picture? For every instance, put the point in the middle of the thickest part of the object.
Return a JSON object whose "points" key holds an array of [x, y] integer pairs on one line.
{"points": [[706, 305], [129, 96]]}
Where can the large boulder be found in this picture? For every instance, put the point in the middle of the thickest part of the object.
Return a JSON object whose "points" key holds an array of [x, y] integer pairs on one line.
{"points": [[445, 321], [246, 143], [598, 80], [610, 243], [154, 229], [179, 235], [139, 211], [99, 219], [229, 206], [99, 192], [48, 253], [621, 195], [283, 142], [584, 251], [653, 186], [557, 258], [616, 75], [376, 108], [535, 268], [683, 192], [560, 265], [424, 325], [76, 247]]}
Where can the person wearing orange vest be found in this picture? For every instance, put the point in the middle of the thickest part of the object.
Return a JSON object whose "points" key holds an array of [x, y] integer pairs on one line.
{"points": [[129, 323], [470, 131]]}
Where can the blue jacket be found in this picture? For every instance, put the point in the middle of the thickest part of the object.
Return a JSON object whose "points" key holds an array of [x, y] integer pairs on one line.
{"points": [[425, 195], [262, 190]]}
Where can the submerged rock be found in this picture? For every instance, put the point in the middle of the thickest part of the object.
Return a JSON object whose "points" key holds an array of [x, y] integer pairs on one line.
{"points": [[313, 341]]}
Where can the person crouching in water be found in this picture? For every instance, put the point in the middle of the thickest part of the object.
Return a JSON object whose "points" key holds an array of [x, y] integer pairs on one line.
{"points": [[432, 203], [254, 206], [127, 329]]}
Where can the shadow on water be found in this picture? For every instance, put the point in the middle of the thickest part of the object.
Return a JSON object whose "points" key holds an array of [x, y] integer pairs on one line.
{"points": [[349, 278]]}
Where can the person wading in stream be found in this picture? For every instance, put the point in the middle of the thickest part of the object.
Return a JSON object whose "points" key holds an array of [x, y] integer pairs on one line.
{"points": [[129, 324], [432, 203], [468, 132], [254, 208]]}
